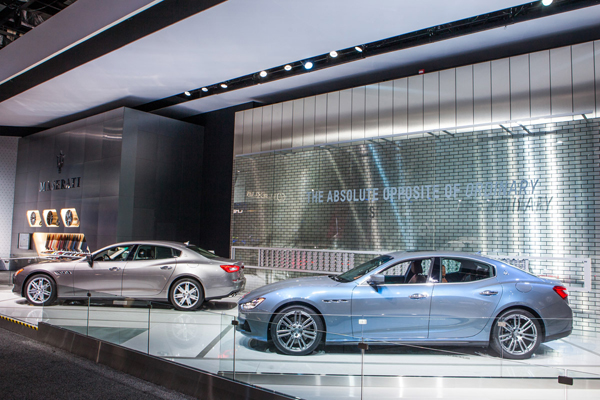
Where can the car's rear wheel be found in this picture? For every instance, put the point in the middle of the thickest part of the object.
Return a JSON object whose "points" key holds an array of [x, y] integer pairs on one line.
{"points": [[297, 330], [40, 290], [516, 334], [187, 294]]}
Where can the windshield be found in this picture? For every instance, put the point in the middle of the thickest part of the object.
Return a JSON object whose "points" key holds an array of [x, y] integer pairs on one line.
{"points": [[202, 252], [363, 269]]}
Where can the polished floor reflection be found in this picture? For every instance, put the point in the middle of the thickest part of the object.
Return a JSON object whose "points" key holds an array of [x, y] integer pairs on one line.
{"points": [[205, 339]]}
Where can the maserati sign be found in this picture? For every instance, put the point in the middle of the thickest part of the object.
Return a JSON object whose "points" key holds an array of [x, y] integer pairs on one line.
{"points": [[60, 184]]}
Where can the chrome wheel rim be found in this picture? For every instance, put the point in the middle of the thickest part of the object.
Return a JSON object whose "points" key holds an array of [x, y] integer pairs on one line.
{"points": [[297, 331], [519, 334], [39, 290], [186, 294]]}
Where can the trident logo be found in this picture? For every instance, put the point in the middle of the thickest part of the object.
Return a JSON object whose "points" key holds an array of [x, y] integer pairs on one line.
{"points": [[60, 161]]}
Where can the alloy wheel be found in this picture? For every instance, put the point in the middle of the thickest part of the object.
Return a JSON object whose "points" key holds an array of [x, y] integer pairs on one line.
{"points": [[297, 331], [518, 335], [39, 290], [186, 294]]}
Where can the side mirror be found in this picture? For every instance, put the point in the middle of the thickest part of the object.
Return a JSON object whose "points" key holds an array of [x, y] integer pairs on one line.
{"points": [[376, 279], [90, 260]]}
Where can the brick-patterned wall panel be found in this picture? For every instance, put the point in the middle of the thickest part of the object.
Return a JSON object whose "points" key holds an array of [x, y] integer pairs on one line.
{"points": [[533, 192]]}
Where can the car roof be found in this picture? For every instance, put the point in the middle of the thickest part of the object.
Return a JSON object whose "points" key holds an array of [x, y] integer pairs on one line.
{"points": [[177, 245], [441, 253]]}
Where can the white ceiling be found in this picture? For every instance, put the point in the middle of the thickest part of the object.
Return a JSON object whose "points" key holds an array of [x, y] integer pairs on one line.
{"points": [[240, 37]]}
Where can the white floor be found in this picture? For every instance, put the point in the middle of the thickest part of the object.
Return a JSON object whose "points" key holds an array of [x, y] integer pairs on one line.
{"points": [[205, 339]]}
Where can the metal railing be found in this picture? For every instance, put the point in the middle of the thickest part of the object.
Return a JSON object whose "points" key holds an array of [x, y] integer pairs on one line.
{"points": [[574, 272]]}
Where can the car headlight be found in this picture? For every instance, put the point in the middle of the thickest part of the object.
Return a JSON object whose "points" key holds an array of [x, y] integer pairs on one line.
{"points": [[252, 304]]}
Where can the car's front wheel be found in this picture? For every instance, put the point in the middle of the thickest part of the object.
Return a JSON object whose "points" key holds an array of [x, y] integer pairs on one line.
{"points": [[297, 330], [516, 334], [186, 294], [40, 290]]}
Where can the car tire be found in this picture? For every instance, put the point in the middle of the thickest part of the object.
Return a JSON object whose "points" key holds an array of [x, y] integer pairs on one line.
{"points": [[186, 294], [297, 330], [516, 334], [40, 290]]}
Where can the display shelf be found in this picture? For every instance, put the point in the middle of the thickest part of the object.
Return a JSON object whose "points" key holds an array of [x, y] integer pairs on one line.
{"points": [[60, 244]]}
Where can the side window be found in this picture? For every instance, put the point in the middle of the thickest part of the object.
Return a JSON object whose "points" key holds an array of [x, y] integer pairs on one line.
{"points": [[407, 273], [118, 253], [419, 269], [462, 270], [145, 252], [164, 252], [396, 273]]}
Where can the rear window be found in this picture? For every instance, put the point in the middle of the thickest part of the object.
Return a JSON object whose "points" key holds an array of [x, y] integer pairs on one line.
{"points": [[202, 252]]}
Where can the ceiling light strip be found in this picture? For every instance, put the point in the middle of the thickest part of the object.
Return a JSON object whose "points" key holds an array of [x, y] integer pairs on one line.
{"points": [[479, 23]]}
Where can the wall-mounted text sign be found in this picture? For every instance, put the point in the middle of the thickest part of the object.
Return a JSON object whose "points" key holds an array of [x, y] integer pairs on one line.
{"points": [[60, 184]]}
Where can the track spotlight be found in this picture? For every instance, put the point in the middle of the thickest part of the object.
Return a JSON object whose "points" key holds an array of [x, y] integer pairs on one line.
{"points": [[205, 89], [547, 2], [308, 65], [263, 74], [358, 48], [333, 54], [224, 85], [288, 67], [187, 93]]}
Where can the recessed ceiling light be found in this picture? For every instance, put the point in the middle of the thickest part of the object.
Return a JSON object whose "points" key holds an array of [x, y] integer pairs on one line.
{"points": [[333, 54], [546, 2], [224, 86], [358, 48], [263, 74], [308, 65], [187, 93], [288, 67], [205, 89]]}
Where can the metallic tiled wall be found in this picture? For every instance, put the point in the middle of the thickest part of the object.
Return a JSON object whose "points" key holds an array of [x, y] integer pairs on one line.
{"points": [[533, 191], [552, 82], [8, 168]]}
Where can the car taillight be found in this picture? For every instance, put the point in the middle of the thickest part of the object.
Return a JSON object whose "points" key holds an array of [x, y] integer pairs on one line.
{"points": [[230, 268], [561, 291]]}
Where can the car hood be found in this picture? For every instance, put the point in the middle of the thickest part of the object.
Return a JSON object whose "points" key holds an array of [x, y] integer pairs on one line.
{"points": [[314, 282]]}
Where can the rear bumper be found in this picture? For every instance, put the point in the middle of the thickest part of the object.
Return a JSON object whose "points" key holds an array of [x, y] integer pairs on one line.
{"points": [[558, 336], [237, 287]]}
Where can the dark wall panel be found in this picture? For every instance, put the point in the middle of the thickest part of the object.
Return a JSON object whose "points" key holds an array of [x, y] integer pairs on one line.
{"points": [[215, 203]]}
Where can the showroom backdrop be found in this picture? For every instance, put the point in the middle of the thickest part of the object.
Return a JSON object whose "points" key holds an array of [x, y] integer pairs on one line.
{"points": [[461, 166]]}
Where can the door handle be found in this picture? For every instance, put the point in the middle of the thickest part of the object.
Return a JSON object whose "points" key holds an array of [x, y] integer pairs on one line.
{"points": [[418, 296], [114, 268], [489, 293], [166, 267]]}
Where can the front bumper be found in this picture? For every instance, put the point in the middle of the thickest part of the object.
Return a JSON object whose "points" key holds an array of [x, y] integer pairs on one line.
{"points": [[17, 282], [254, 324]]}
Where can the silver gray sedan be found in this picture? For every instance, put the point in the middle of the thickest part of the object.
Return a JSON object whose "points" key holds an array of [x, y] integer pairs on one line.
{"points": [[183, 274], [420, 298]]}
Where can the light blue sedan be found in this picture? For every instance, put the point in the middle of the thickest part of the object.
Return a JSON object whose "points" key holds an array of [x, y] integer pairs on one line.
{"points": [[434, 298]]}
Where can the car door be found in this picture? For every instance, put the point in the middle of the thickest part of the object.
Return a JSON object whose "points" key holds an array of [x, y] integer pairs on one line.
{"points": [[149, 271], [396, 309], [103, 278], [464, 298]]}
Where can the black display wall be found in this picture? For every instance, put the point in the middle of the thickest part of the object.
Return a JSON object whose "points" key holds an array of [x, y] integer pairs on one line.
{"points": [[215, 204], [129, 175]]}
